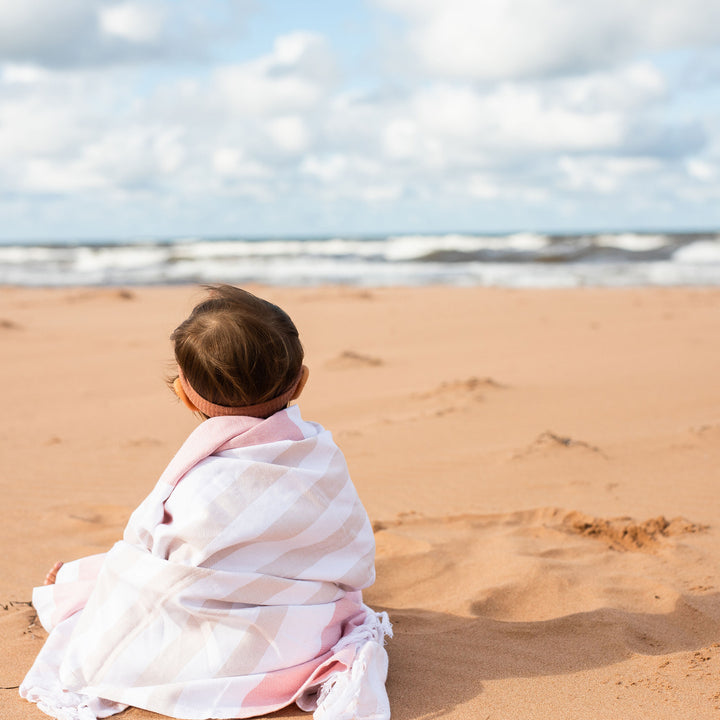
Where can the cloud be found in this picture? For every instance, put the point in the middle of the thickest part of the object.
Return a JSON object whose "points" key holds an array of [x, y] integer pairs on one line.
{"points": [[445, 125], [604, 175], [501, 40], [65, 131], [132, 21], [702, 170], [47, 32], [293, 77], [287, 130], [281, 123], [86, 33]]}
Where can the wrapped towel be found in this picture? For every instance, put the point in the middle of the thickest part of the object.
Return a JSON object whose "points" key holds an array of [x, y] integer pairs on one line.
{"points": [[235, 591]]}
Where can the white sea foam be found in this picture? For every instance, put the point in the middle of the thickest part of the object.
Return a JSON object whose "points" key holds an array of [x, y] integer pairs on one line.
{"points": [[20, 255], [394, 248], [632, 242], [411, 247], [91, 259], [700, 251]]}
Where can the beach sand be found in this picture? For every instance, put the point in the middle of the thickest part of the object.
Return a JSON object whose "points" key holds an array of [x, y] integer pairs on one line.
{"points": [[541, 468]]}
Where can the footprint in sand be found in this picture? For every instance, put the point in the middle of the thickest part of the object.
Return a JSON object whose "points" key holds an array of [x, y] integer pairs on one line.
{"points": [[340, 293], [710, 432], [473, 388], [89, 295], [349, 359], [96, 525], [143, 442], [549, 443], [705, 438], [453, 396], [447, 398]]}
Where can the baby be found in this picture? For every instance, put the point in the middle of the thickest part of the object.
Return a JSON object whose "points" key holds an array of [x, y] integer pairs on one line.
{"points": [[236, 589]]}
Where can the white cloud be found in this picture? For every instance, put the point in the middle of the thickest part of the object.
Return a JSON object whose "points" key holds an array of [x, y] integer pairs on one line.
{"points": [[134, 21], [622, 89], [231, 162], [461, 142], [524, 118], [135, 156], [227, 160], [280, 121], [21, 74], [293, 77], [45, 31], [44, 176], [604, 175], [41, 122], [289, 134], [701, 170], [327, 169], [483, 187], [88, 33], [401, 138], [448, 126], [498, 39], [189, 136]]}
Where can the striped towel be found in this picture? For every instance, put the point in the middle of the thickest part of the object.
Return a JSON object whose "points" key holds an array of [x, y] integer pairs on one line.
{"points": [[235, 591]]}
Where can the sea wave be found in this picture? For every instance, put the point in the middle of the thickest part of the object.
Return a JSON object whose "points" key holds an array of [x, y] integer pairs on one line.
{"points": [[521, 260]]}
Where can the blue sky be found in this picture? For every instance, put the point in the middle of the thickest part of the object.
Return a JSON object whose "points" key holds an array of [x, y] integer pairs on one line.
{"points": [[167, 118]]}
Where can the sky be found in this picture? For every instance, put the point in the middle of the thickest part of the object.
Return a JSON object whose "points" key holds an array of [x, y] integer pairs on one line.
{"points": [[172, 118]]}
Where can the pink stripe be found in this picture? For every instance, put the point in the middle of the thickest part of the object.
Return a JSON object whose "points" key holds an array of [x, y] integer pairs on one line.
{"points": [[278, 427], [277, 689], [224, 433], [344, 610], [203, 442], [281, 687], [339, 662], [68, 598], [89, 567]]}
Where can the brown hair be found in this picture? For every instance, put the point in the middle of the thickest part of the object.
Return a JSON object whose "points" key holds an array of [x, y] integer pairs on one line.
{"points": [[236, 349]]}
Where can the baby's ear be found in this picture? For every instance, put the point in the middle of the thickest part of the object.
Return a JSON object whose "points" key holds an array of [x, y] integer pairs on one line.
{"points": [[180, 392], [303, 379]]}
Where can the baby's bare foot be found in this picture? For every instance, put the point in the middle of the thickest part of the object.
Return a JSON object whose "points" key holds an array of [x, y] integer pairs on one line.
{"points": [[52, 575]]}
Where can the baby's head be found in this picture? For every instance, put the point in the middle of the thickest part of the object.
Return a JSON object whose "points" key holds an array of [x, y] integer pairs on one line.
{"points": [[238, 354]]}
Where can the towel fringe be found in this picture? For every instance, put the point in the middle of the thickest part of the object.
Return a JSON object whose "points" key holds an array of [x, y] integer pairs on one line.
{"points": [[359, 693], [376, 627]]}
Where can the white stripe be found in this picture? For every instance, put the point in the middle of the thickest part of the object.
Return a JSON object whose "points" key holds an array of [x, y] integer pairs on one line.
{"points": [[332, 519], [298, 639]]}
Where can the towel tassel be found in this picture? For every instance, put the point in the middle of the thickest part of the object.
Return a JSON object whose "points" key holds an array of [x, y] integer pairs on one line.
{"points": [[359, 693]]}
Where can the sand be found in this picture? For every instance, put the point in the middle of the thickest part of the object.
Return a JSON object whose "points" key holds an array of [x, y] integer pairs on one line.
{"points": [[541, 469]]}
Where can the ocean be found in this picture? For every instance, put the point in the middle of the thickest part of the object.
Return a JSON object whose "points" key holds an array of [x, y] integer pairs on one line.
{"points": [[513, 260]]}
